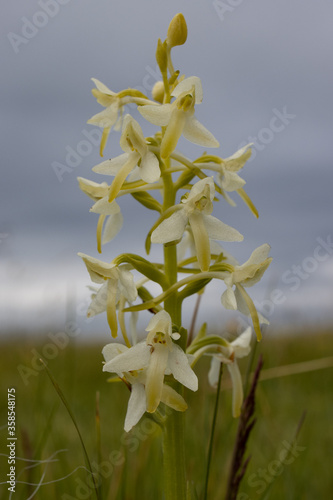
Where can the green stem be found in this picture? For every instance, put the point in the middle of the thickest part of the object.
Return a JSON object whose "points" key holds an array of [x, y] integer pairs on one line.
{"points": [[173, 431], [174, 456]]}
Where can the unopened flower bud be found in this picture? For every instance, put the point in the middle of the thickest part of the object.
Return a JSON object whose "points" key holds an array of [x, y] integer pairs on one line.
{"points": [[177, 31], [161, 56], [158, 92]]}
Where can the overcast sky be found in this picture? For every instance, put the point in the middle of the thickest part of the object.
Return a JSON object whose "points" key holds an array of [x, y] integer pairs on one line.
{"points": [[258, 60]]}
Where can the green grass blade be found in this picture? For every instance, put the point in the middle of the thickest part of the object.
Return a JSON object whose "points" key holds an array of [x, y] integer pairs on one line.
{"points": [[63, 399], [211, 442]]}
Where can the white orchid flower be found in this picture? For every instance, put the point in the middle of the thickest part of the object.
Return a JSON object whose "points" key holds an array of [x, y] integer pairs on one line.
{"points": [[114, 216], [109, 116], [137, 379], [195, 209], [119, 280], [179, 118], [228, 179], [94, 190], [159, 356], [247, 275], [228, 354], [114, 104], [109, 211], [134, 144]]}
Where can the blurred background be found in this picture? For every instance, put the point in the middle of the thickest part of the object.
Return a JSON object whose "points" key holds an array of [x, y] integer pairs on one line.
{"points": [[266, 76]]}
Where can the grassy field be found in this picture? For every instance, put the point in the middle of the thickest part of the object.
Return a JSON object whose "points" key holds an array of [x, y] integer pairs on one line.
{"points": [[131, 464]]}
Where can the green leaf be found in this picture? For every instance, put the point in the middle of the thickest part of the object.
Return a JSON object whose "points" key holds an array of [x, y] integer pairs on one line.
{"points": [[146, 296], [144, 267], [191, 493], [141, 307], [206, 342], [193, 288], [185, 178], [147, 201], [202, 333]]}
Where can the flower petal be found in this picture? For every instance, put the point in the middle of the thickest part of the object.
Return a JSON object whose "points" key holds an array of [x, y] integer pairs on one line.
{"points": [[93, 189], [180, 368], [97, 269], [110, 351], [171, 398], [201, 239], [120, 178], [173, 132], [157, 115], [132, 137], [199, 189], [186, 86], [136, 406], [242, 344], [111, 167], [230, 181], [214, 372], [161, 320], [171, 229], [228, 299], [238, 159], [150, 168], [98, 303], [102, 88], [155, 375], [103, 206], [217, 230], [106, 118], [112, 227], [258, 255], [195, 132], [111, 304], [135, 358], [126, 285]]}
